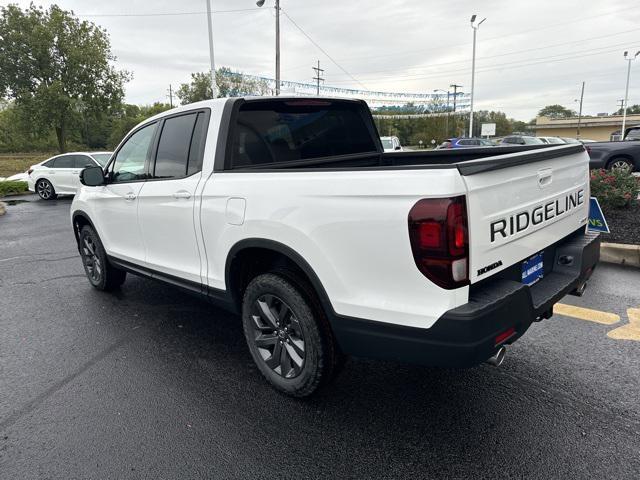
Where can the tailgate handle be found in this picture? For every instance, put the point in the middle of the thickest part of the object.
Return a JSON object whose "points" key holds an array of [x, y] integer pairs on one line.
{"points": [[545, 177]]}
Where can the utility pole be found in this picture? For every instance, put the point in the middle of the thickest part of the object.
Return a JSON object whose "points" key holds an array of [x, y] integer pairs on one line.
{"points": [[626, 91], [213, 65], [446, 125], [260, 3], [580, 112], [455, 97], [455, 94], [473, 68], [318, 78], [170, 96], [277, 47]]}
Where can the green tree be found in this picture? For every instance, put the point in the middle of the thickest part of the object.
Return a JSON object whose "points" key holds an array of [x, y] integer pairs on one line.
{"points": [[57, 68], [632, 110], [556, 111], [128, 117], [228, 83]]}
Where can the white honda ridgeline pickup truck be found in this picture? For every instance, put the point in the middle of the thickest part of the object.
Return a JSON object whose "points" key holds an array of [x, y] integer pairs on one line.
{"points": [[288, 212]]}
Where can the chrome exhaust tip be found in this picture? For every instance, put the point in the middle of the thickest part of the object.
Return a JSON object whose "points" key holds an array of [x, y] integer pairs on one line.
{"points": [[579, 291], [497, 359]]}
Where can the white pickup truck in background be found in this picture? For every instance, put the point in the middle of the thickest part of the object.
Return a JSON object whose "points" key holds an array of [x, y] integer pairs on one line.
{"points": [[288, 212]]}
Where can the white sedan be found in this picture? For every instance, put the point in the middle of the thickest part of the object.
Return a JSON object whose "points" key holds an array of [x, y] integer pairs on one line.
{"points": [[59, 175]]}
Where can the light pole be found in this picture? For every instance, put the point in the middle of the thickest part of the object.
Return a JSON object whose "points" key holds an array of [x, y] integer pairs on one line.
{"points": [[213, 65], [580, 112], [626, 90], [475, 28], [260, 3], [446, 127]]}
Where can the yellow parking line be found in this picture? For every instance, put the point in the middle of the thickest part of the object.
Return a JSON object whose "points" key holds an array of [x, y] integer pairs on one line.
{"points": [[596, 316], [630, 331]]}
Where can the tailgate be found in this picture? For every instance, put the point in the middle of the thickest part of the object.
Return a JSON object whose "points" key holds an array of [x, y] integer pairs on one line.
{"points": [[520, 203]]}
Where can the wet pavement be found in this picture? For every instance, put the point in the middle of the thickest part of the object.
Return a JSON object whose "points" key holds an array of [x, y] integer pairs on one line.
{"points": [[153, 383]]}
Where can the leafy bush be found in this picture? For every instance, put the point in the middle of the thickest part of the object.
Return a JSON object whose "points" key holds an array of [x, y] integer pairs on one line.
{"points": [[12, 188], [614, 189]]}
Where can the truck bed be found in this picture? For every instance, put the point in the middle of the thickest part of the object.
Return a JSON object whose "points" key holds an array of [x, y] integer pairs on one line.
{"points": [[468, 161]]}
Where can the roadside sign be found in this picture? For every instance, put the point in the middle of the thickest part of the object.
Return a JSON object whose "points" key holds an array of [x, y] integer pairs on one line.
{"points": [[488, 130], [597, 222]]}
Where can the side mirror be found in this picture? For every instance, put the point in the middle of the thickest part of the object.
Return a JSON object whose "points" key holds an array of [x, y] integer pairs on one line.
{"points": [[398, 147], [92, 176]]}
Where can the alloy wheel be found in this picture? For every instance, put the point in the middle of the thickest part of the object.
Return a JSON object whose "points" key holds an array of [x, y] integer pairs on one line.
{"points": [[91, 260], [44, 190], [278, 336], [620, 166]]}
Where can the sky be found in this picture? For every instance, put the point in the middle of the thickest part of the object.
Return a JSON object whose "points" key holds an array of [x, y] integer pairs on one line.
{"points": [[529, 54]]}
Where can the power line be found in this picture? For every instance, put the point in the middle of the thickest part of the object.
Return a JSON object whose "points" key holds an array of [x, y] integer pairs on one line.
{"points": [[323, 51], [489, 68], [500, 37], [515, 52], [165, 14]]}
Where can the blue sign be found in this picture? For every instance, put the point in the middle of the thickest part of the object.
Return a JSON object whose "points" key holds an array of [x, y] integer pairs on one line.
{"points": [[597, 222], [533, 269]]}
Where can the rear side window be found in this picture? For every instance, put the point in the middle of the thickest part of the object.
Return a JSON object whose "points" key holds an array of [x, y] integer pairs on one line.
{"points": [[292, 130], [65, 161], [196, 151], [173, 147], [181, 146]]}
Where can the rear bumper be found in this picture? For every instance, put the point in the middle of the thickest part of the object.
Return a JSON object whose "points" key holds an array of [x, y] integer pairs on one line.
{"points": [[466, 336]]}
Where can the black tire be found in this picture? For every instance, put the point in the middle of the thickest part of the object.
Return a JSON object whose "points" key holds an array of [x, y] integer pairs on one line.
{"points": [[101, 274], [620, 164], [288, 335], [45, 190]]}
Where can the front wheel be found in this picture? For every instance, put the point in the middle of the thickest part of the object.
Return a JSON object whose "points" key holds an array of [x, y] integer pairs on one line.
{"points": [[288, 335], [45, 189], [621, 165], [101, 274]]}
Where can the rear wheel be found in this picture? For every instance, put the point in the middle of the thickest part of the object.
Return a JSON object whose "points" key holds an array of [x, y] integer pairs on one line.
{"points": [[621, 165], [288, 335], [45, 189], [101, 274]]}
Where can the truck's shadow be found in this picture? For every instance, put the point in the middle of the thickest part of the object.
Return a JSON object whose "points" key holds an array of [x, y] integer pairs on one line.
{"points": [[408, 419]]}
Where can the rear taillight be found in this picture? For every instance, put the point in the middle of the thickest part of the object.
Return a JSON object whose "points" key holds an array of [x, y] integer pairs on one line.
{"points": [[440, 240]]}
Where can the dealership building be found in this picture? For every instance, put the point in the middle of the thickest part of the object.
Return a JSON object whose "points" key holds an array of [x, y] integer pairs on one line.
{"points": [[600, 127]]}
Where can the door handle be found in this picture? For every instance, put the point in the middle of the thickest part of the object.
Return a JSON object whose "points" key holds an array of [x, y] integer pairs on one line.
{"points": [[130, 196], [76, 172], [545, 177], [182, 194]]}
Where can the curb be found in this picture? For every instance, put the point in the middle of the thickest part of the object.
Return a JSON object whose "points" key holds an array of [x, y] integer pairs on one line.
{"points": [[620, 254]]}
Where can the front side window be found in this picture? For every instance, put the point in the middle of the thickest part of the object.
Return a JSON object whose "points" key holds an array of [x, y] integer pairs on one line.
{"points": [[130, 159]]}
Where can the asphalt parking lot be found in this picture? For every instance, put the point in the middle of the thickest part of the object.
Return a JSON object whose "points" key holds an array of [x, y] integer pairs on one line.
{"points": [[153, 383]]}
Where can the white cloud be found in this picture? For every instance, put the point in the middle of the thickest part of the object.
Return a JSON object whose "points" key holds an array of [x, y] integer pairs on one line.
{"points": [[397, 45]]}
